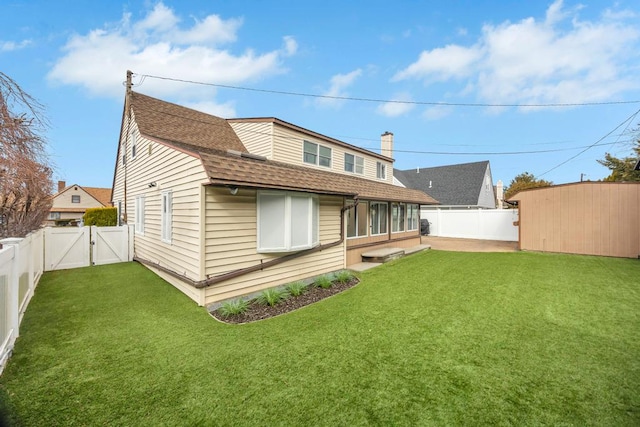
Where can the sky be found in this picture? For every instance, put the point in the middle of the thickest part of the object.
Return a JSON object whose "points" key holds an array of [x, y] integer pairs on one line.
{"points": [[545, 87]]}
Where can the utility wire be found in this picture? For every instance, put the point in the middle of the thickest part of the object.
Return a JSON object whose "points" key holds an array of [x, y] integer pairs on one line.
{"points": [[627, 120], [472, 153], [392, 101]]}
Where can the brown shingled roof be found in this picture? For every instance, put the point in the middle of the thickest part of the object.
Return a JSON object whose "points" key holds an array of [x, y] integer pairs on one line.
{"points": [[103, 195], [211, 137], [170, 122], [233, 170]]}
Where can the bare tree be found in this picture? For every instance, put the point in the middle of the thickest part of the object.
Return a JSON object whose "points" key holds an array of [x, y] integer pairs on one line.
{"points": [[25, 171]]}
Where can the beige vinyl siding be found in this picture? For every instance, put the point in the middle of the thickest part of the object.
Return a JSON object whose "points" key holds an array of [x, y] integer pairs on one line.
{"points": [[256, 137], [231, 244], [64, 199], [288, 148], [183, 175]]}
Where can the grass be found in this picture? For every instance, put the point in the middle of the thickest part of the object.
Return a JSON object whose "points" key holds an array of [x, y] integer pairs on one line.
{"points": [[437, 338]]}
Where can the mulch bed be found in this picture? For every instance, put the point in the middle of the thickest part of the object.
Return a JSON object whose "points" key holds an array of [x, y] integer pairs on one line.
{"points": [[259, 312]]}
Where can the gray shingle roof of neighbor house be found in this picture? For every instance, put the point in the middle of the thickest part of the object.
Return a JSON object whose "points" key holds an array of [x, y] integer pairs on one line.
{"points": [[225, 158], [452, 185]]}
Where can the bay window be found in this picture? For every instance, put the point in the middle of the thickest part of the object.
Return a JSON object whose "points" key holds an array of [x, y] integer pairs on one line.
{"points": [[287, 222]]}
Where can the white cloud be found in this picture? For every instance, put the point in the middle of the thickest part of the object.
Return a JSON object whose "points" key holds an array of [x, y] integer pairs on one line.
{"points": [[395, 109], [437, 112], [560, 59], [226, 110], [337, 88], [9, 46], [158, 45]]}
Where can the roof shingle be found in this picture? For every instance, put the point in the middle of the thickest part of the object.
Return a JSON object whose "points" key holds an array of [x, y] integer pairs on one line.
{"points": [[212, 137], [453, 185]]}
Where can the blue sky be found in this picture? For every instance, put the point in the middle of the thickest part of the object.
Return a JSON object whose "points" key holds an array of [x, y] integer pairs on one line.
{"points": [[452, 65]]}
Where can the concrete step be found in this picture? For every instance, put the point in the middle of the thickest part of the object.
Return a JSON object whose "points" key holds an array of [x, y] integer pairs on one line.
{"points": [[382, 255]]}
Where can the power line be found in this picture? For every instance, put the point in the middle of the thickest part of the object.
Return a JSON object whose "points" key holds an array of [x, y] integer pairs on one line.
{"points": [[627, 120], [458, 153], [391, 101]]}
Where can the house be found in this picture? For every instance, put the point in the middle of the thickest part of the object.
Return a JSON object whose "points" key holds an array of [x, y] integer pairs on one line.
{"points": [[466, 185], [225, 208], [589, 218], [71, 202]]}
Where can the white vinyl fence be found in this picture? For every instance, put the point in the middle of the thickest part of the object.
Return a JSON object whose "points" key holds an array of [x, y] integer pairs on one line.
{"points": [[22, 262], [483, 224]]}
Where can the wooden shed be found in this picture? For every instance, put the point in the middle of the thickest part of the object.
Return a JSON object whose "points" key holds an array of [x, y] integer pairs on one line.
{"points": [[590, 218]]}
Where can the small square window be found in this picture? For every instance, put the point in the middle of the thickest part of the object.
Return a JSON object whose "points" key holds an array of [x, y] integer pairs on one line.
{"points": [[75, 199]]}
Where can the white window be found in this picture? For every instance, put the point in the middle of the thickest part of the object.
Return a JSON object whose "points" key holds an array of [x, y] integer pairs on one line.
{"points": [[397, 217], [165, 216], [357, 220], [287, 222], [353, 163], [412, 217], [381, 170], [317, 154], [379, 218], [132, 137], [54, 215], [139, 221]]}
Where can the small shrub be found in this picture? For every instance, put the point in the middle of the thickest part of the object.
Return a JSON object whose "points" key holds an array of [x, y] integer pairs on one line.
{"points": [[233, 307], [272, 296], [344, 277], [296, 288], [102, 217], [323, 282]]}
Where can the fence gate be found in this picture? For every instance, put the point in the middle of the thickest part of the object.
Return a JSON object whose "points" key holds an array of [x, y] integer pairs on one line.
{"points": [[66, 247], [110, 245]]}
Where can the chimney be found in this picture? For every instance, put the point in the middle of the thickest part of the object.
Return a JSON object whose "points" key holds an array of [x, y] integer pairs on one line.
{"points": [[387, 144], [61, 185]]}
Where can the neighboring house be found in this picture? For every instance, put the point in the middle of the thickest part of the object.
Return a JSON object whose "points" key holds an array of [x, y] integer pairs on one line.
{"points": [[224, 208], [467, 185], [589, 218], [71, 202]]}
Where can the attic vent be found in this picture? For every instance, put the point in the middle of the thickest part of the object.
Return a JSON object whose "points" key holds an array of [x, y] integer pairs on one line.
{"points": [[429, 184], [246, 155]]}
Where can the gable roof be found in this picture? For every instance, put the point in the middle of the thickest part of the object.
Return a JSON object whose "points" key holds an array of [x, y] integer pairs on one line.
{"points": [[214, 141], [102, 195], [173, 123], [452, 185]]}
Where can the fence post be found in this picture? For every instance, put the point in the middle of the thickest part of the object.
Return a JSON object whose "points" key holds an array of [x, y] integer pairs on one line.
{"points": [[13, 315]]}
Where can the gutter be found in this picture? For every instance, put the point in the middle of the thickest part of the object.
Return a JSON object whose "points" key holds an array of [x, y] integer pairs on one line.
{"points": [[200, 284]]}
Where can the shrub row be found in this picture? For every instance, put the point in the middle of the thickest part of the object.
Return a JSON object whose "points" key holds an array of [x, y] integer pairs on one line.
{"points": [[274, 296]]}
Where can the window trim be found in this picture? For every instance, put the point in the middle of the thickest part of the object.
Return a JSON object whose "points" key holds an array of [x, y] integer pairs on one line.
{"points": [[381, 170], [312, 222], [317, 155], [166, 218], [413, 208], [132, 137], [386, 215], [357, 220], [139, 220], [396, 221], [356, 159]]}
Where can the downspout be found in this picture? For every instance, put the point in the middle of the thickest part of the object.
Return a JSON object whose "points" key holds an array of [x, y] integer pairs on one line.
{"points": [[241, 272]]}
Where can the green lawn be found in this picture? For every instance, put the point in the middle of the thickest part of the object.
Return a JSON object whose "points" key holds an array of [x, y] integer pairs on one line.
{"points": [[437, 338]]}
